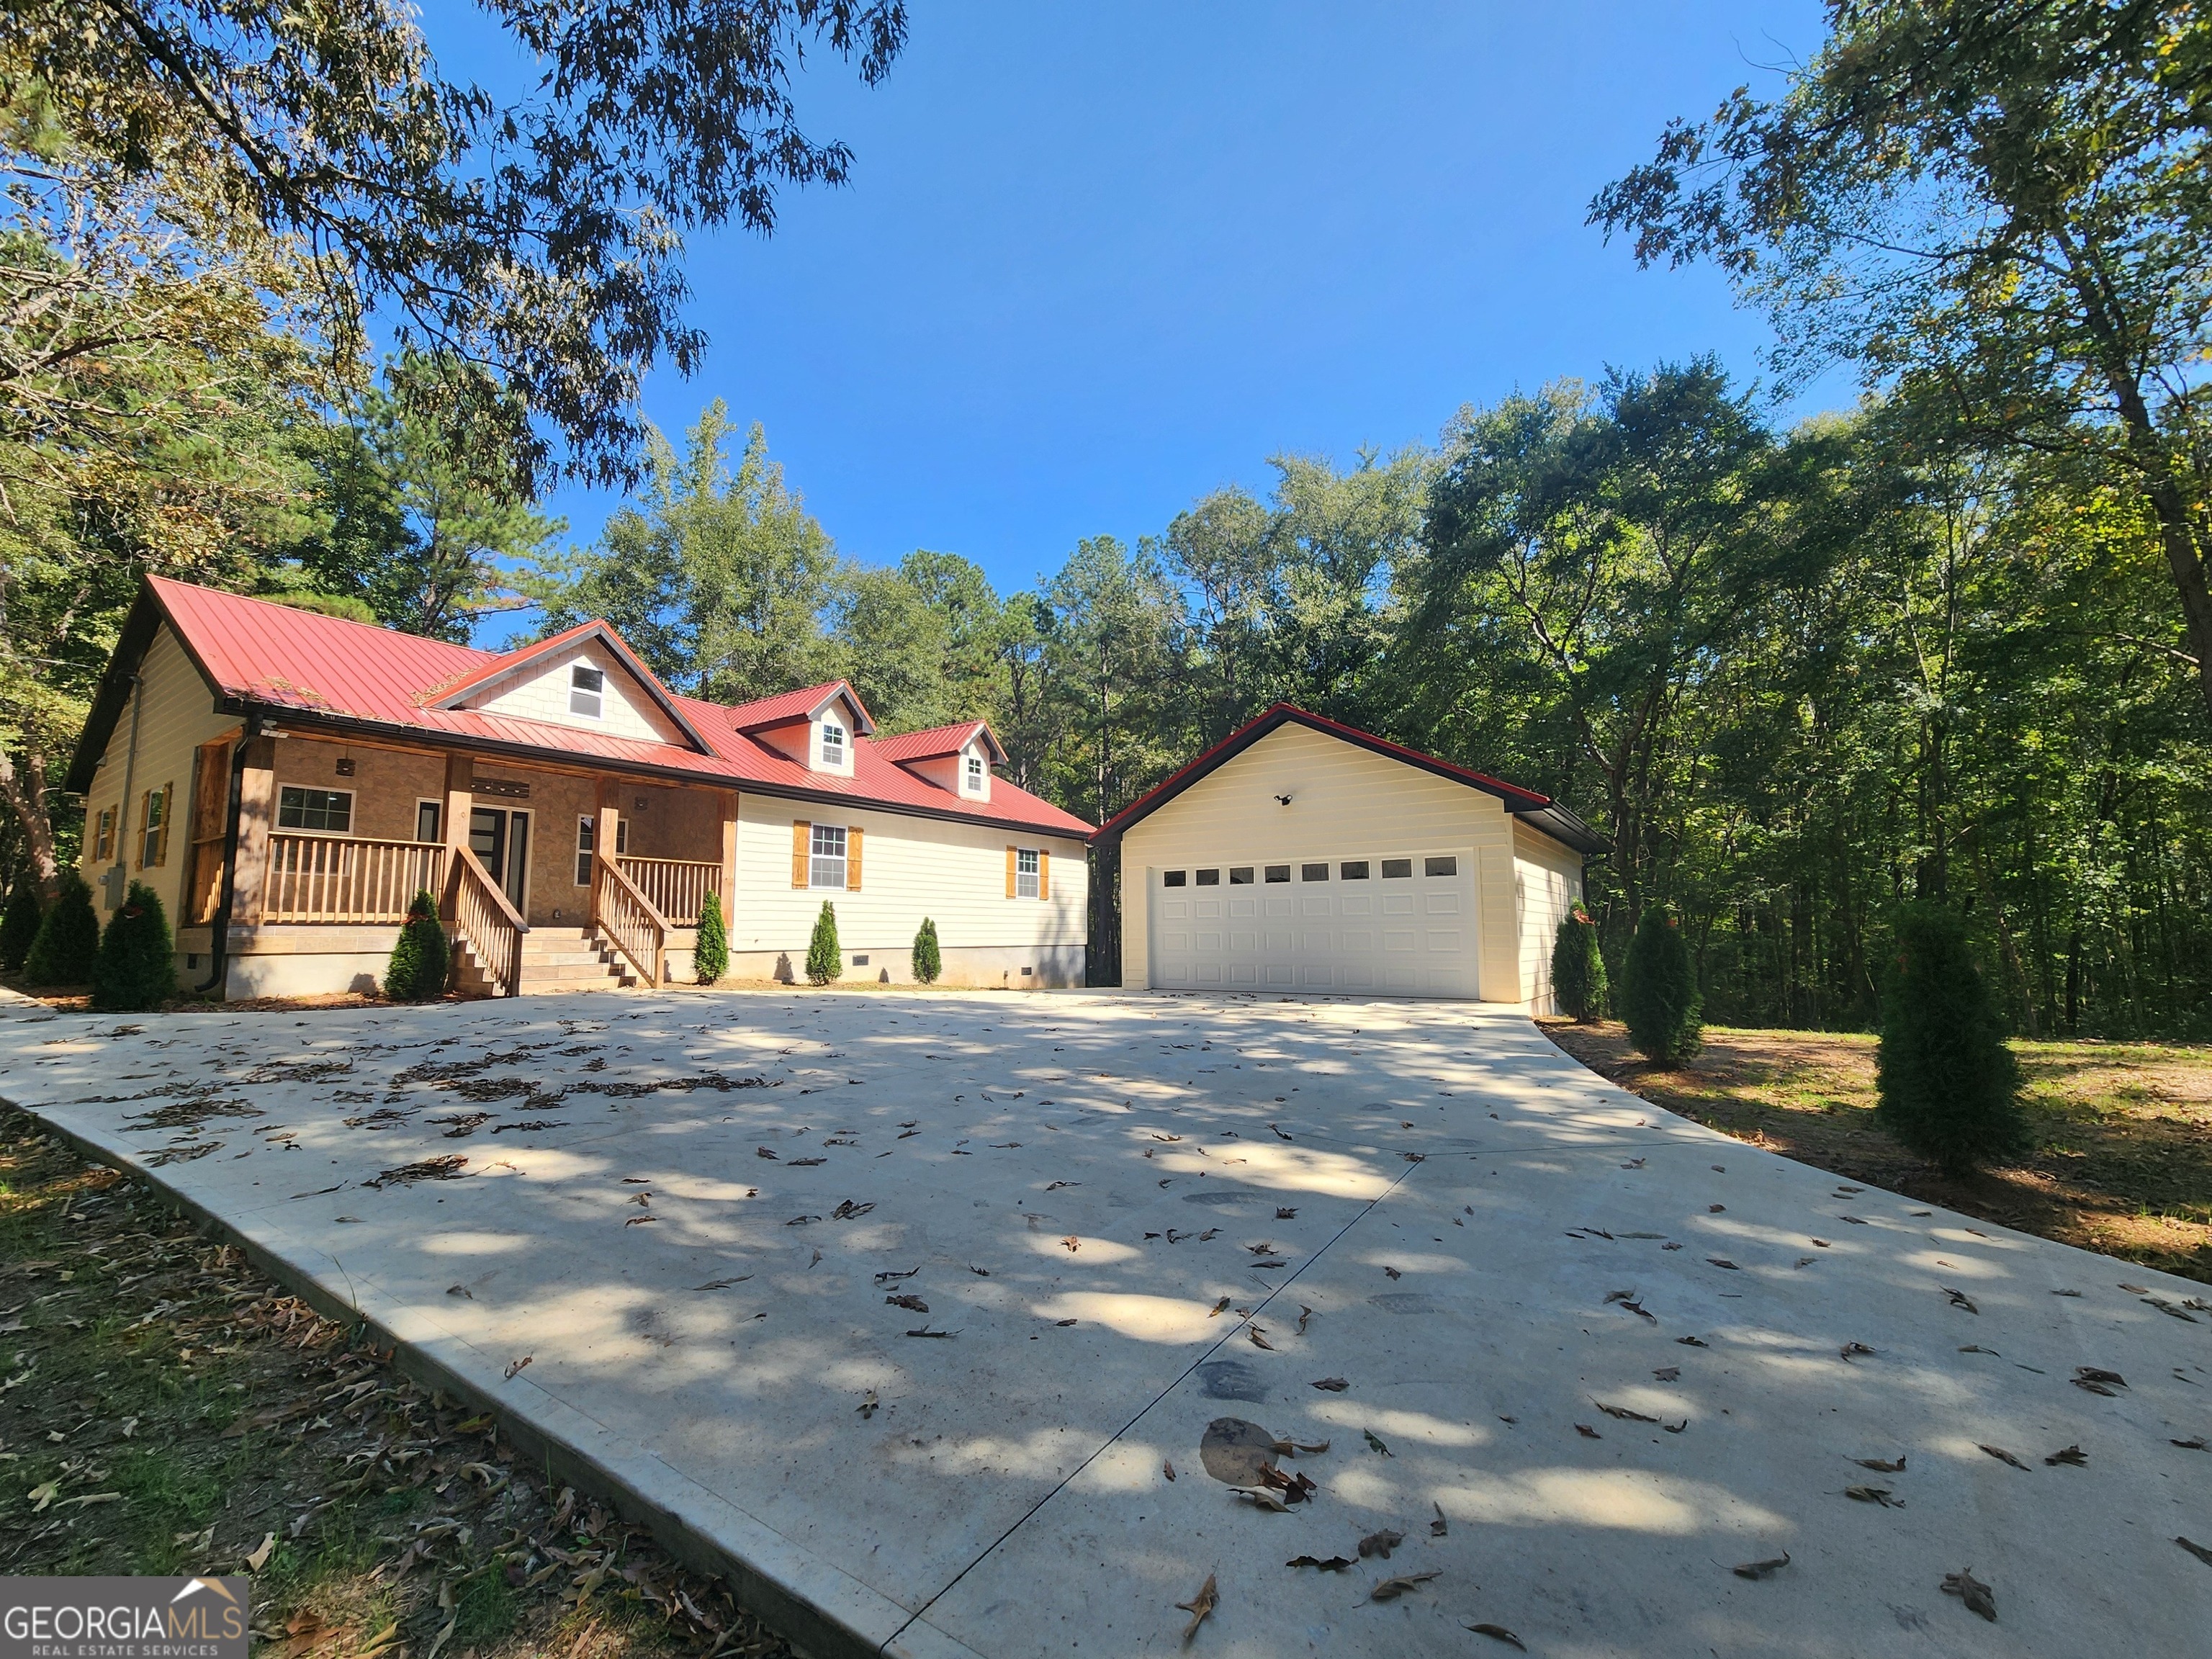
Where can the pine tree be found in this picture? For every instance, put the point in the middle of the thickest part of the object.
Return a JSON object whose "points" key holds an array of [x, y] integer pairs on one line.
{"points": [[1659, 1000], [19, 923], [710, 957], [1578, 968], [825, 960], [1948, 1088], [929, 963], [422, 958], [135, 970], [69, 938]]}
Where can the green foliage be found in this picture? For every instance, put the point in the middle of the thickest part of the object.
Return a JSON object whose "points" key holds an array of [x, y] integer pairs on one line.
{"points": [[19, 923], [825, 960], [928, 962], [1949, 1087], [710, 957], [136, 967], [1659, 996], [422, 958], [69, 938], [1578, 967]]}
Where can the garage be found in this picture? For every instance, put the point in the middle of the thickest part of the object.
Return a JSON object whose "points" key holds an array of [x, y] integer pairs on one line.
{"points": [[1261, 867], [1398, 922]]}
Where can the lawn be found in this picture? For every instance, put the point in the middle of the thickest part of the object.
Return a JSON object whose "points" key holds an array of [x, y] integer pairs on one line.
{"points": [[2122, 1158]]}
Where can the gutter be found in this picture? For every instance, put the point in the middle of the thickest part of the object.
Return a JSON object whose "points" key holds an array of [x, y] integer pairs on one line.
{"points": [[219, 930]]}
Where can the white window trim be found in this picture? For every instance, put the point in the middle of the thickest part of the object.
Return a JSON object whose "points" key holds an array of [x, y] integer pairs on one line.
{"points": [[835, 745], [820, 864], [597, 694], [1029, 883]]}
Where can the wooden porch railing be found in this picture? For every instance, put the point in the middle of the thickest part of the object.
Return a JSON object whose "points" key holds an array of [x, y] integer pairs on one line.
{"points": [[629, 919], [676, 887], [343, 878], [483, 916]]}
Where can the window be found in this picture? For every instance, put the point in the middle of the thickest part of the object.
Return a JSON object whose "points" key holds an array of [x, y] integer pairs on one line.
{"points": [[1397, 869], [426, 816], [1313, 872], [154, 826], [1352, 870], [586, 829], [103, 835], [1446, 865], [1241, 876], [586, 691], [1176, 879], [1278, 872], [833, 744], [1026, 871], [825, 866], [327, 810], [974, 772], [1209, 878]]}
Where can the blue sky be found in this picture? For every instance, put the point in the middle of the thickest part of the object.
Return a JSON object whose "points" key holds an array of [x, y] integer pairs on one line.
{"points": [[1095, 261]]}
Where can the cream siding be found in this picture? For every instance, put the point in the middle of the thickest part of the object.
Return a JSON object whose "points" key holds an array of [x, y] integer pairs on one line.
{"points": [[1345, 802], [626, 708], [1547, 880]]}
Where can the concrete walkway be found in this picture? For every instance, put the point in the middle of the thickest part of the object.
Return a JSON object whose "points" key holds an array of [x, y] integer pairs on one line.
{"points": [[1593, 1357]]}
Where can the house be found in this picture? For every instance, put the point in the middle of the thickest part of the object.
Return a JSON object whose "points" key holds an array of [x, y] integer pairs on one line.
{"points": [[286, 781], [1303, 855]]}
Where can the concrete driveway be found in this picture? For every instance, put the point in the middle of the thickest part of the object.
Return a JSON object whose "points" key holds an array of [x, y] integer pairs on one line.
{"points": [[1591, 1356]]}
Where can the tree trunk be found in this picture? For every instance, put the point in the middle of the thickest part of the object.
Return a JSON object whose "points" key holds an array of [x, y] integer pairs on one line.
{"points": [[26, 794]]}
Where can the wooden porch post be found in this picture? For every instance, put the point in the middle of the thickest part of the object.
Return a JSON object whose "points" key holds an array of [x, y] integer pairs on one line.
{"points": [[256, 815], [453, 829], [606, 832], [729, 894]]}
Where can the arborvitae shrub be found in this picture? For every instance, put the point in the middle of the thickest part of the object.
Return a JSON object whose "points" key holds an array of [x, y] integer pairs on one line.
{"points": [[422, 958], [69, 938], [710, 957], [1578, 967], [928, 963], [825, 960], [1947, 1086], [135, 970], [19, 923], [1659, 998]]}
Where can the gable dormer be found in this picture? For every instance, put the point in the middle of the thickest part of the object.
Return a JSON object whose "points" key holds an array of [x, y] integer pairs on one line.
{"points": [[819, 727], [958, 759], [586, 678]]}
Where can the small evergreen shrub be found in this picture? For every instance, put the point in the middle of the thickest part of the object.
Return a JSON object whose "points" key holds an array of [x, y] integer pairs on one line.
{"points": [[1659, 998], [825, 959], [19, 923], [1948, 1087], [135, 970], [69, 938], [421, 959], [1578, 968], [929, 963], [710, 957]]}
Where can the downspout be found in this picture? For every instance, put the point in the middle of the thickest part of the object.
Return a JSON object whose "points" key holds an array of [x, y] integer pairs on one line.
{"points": [[129, 776], [219, 930]]}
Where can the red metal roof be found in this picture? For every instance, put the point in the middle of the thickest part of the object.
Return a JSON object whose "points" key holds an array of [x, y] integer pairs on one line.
{"points": [[796, 705], [325, 670], [937, 740]]}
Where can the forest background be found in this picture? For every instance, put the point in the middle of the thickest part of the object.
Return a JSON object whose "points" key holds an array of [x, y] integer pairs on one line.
{"points": [[1954, 644]]}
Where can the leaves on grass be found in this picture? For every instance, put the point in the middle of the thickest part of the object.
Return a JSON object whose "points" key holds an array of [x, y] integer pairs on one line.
{"points": [[913, 1303], [42, 1495], [1391, 1589], [262, 1551], [1376, 1445], [1335, 1564], [1198, 1607], [1978, 1597], [1498, 1633], [1881, 1495], [1760, 1568], [1380, 1543], [2003, 1457], [1883, 1465], [2071, 1456]]}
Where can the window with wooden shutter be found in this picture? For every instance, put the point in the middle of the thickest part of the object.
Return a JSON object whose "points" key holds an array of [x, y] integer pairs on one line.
{"points": [[163, 803], [801, 843], [852, 859], [1012, 854], [1044, 873]]}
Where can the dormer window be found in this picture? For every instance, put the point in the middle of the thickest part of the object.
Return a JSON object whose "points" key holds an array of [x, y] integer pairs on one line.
{"points": [[586, 691], [974, 775], [833, 745]]}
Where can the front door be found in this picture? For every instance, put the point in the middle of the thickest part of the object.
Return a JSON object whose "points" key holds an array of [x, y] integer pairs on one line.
{"points": [[501, 839]]}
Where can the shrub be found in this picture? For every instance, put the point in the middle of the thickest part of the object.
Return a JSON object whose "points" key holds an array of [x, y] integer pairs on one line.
{"points": [[825, 959], [928, 963], [710, 957], [1578, 968], [19, 923], [136, 968], [1659, 998], [1948, 1088], [69, 938], [421, 959]]}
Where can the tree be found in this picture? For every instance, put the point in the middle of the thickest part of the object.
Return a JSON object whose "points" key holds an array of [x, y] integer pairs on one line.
{"points": [[19, 922], [928, 962], [1578, 968], [69, 938], [422, 960], [1948, 1088], [136, 970], [825, 961], [1659, 996], [710, 954], [2000, 206]]}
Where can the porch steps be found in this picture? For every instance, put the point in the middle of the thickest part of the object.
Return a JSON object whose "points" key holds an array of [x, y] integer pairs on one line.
{"points": [[554, 959]]}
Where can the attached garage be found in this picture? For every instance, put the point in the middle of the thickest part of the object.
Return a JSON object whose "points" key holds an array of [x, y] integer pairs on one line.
{"points": [[1302, 855]]}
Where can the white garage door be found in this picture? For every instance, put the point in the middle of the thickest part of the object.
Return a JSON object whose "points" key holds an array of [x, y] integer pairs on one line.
{"points": [[1402, 923]]}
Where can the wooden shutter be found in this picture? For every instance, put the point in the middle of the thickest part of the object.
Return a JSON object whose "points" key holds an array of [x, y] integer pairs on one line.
{"points": [[800, 849], [1012, 854], [1044, 873], [161, 838], [211, 815], [853, 859]]}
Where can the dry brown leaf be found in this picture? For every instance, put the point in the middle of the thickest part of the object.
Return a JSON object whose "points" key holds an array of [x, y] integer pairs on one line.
{"points": [[1872, 1495], [2071, 1456], [1668, 1373], [1305, 1313], [515, 1365], [1331, 1384], [1498, 1633], [1261, 1497], [1258, 1339], [1850, 1351], [1961, 1299], [1335, 1564], [1198, 1607], [1588, 1432], [1167, 1468], [1380, 1543], [259, 1557], [1391, 1589], [1623, 1412], [2003, 1457], [1760, 1568], [1438, 1526], [1886, 1466], [1218, 1307], [1973, 1592], [1237, 1451], [914, 1302]]}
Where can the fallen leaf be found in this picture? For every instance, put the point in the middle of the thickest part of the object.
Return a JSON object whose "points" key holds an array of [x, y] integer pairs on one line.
{"points": [[2136, 1289], [1498, 1633], [1261, 1497], [806, 1162], [42, 1495], [1961, 1299], [762, 1151], [639, 1220], [1676, 1428], [912, 1303], [2196, 1550], [1822, 1244], [2200, 1443], [1850, 1350], [1668, 1373], [1072, 1243], [1282, 1214], [1976, 1348], [1391, 1589], [1237, 1451], [259, 1557], [515, 1365], [1305, 1313], [1714, 1209], [867, 1406], [1332, 1385], [1259, 1341], [460, 1290], [1872, 1495], [1623, 1412], [1198, 1607], [1886, 1465], [849, 1211], [2003, 1457], [2073, 1456], [1374, 1444], [1973, 1592], [1691, 1341], [1380, 1543], [1219, 1306], [1588, 1432], [1394, 1273], [1439, 1526], [1760, 1568], [940, 1335], [1722, 1262], [722, 1283], [1335, 1564], [1167, 1468]]}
